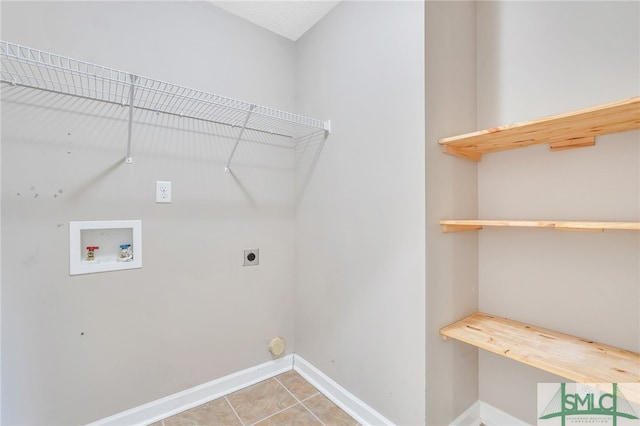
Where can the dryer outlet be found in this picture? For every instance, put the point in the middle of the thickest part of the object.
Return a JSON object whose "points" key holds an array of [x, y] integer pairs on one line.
{"points": [[251, 257]]}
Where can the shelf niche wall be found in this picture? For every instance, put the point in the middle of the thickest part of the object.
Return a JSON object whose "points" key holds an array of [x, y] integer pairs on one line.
{"points": [[580, 283], [574, 358]]}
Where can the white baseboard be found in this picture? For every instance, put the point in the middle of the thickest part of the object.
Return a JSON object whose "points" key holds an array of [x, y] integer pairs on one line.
{"points": [[470, 417], [352, 405], [481, 412], [189, 398]]}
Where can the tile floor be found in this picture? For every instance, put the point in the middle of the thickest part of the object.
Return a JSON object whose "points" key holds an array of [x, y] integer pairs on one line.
{"points": [[287, 399]]}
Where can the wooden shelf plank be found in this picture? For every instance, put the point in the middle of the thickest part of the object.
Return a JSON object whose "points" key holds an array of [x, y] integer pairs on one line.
{"points": [[576, 126], [471, 224], [576, 359]]}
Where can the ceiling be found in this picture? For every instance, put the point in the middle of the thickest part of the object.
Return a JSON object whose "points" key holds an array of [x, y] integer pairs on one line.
{"points": [[290, 19]]}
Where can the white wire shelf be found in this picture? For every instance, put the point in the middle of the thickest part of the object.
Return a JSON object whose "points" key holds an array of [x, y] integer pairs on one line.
{"points": [[28, 67]]}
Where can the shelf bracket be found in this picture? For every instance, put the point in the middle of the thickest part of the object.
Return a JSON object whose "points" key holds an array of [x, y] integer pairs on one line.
{"points": [[459, 228], [459, 152], [577, 229], [316, 157], [128, 159], [227, 169], [573, 143]]}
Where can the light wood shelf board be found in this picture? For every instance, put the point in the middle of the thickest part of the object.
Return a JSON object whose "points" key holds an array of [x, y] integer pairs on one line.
{"points": [[472, 224], [576, 359], [577, 125]]}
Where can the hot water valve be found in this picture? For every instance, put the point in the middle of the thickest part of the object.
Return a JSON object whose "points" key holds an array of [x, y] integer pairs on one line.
{"points": [[90, 252]]}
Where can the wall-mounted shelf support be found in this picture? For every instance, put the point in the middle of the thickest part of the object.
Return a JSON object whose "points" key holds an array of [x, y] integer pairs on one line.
{"points": [[475, 224], [128, 159], [572, 143], [235, 146], [316, 156], [580, 360], [449, 226]]}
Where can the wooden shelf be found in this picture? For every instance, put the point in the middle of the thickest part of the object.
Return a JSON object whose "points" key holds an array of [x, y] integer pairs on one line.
{"points": [[474, 224], [576, 359], [564, 131]]}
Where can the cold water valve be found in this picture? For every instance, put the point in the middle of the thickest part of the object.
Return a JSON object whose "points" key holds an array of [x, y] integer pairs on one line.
{"points": [[90, 252], [126, 254]]}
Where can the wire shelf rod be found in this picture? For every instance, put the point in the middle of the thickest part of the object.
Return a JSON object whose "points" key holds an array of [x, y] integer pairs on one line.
{"points": [[128, 159], [244, 126]]}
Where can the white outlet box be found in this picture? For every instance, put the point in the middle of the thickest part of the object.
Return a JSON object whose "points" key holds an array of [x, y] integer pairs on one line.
{"points": [[163, 192], [108, 237]]}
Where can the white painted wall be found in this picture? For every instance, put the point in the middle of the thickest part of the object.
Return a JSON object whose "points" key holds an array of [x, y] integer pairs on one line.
{"points": [[360, 232], [451, 192], [192, 313], [537, 59]]}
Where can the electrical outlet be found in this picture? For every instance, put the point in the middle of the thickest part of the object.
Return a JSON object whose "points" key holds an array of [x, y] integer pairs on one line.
{"points": [[163, 192], [251, 257]]}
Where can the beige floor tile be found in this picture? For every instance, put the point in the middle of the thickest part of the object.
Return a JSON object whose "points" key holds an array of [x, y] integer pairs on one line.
{"points": [[267, 403], [260, 400], [217, 412], [294, 416], [297, 385], [329, 413]]}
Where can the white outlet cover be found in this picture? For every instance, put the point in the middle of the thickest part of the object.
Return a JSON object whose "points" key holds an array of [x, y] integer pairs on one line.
{"points": [[163, 192]]}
